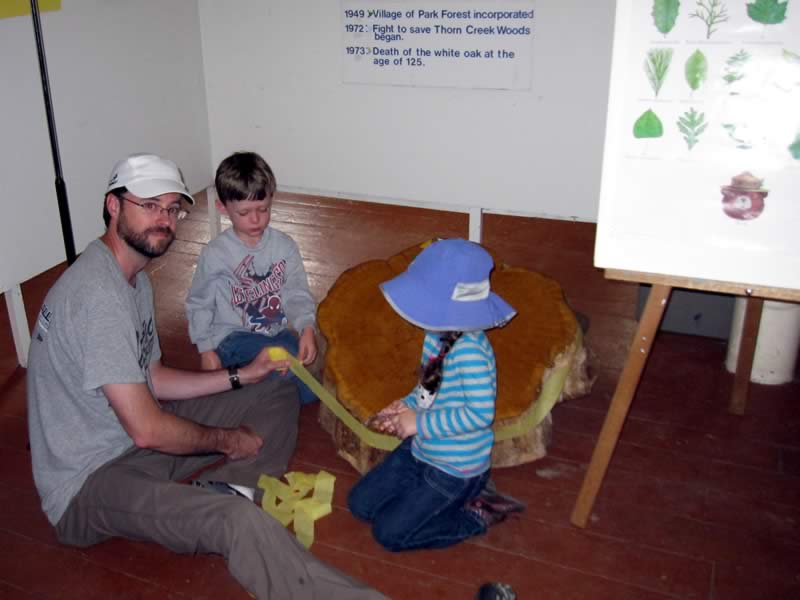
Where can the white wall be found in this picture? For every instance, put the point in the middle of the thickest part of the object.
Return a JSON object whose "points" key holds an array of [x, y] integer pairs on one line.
{"points": [[273, 76], [151, 75], [125, 77]]}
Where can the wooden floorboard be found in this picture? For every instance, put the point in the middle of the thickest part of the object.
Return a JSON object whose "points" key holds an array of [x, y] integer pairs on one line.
{"points": [[697, 503]]}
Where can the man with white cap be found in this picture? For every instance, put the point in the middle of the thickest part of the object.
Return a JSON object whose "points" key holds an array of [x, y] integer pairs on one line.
{"points": [[113, 431]]}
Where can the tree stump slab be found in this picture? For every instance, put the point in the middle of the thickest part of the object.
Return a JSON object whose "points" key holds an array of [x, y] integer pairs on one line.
{"points": [[373, 354]]}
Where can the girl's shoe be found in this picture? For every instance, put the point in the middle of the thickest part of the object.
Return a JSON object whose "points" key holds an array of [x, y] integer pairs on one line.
{"points": [[485, 513], [488, 517], [498, 502]]}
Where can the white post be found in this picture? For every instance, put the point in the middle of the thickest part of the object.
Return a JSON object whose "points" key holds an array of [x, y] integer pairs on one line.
{"points": [[475, 224], [777, 343], [19, 324]]}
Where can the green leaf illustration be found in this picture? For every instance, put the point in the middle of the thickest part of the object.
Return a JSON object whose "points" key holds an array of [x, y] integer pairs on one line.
{"points": [[791, 57], [665, 12], [691, 125], [768, 12], [696, 69], [741, 143], [648, 126], [734, 67], [710, 12], [656, 67], [794, 148]]}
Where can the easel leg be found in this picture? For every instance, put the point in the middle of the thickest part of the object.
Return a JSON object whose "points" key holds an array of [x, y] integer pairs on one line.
{"points": [[747, 350], [621, 402]]}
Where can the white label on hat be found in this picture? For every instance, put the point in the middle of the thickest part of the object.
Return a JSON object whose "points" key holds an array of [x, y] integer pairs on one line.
{"points": [[471, 292]]}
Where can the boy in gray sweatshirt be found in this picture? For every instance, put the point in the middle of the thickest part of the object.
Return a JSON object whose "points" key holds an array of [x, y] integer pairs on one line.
{"points": [[250, 289]]}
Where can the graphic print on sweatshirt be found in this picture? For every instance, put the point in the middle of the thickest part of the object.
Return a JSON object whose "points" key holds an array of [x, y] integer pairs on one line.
{"points": [[258, 296]]}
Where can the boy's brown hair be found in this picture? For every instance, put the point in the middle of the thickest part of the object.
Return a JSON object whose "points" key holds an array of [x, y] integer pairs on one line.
{"points": [[244, 176]]}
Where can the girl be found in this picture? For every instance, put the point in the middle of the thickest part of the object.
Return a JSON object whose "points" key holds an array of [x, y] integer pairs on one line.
{"points": [[425, 493]]}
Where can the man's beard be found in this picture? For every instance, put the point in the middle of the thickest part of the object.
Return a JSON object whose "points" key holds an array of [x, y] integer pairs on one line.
{"points": [[140, 241]]}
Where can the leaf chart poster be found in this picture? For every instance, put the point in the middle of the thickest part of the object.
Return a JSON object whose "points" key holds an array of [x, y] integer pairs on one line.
{"points": [[701, 167]]}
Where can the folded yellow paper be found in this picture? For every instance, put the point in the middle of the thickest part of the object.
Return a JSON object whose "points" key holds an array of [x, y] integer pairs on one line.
{"points": [[288, 502]]}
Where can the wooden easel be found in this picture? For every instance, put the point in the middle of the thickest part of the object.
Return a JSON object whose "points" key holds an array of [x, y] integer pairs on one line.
{"points": [[640, 351]]}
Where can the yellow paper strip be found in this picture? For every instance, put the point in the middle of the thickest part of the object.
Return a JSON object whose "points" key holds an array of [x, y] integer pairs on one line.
{"points": [[548, 396], [369, 437], [288, 503]]}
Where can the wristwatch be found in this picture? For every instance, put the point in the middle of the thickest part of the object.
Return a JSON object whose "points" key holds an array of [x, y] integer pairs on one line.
{"points": [[233, 377]]}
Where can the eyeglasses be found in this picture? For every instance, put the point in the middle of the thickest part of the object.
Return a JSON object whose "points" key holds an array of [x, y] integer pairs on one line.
{"points": [[154, 209]]}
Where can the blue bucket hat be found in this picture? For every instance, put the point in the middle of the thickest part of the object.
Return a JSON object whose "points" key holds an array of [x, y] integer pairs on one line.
{"points": [[446, 288]]}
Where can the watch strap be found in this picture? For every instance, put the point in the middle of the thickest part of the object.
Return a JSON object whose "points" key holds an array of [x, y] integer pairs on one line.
{"points": [[233, 377]]}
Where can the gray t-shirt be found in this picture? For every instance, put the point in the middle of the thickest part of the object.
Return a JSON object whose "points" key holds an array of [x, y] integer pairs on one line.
{"points": [[94, 328]]}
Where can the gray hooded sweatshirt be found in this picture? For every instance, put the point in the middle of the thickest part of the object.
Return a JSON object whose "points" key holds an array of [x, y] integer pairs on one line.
{"points": [[263, 289]]}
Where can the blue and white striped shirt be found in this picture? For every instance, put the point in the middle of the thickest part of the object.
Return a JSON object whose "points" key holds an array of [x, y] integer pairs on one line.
{"points": [[455, 433]]}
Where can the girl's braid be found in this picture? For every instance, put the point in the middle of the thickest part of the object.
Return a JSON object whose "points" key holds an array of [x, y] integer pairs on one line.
{"points": [[431, 374]]}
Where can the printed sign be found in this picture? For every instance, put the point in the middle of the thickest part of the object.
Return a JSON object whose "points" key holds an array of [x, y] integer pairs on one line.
{"points": [[442, 44]]}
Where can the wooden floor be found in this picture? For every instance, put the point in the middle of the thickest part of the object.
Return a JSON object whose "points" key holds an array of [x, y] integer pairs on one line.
{"points": [[697, 503]]}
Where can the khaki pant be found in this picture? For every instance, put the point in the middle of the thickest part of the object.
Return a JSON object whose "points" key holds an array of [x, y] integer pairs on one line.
{"points": [[137, 496]]}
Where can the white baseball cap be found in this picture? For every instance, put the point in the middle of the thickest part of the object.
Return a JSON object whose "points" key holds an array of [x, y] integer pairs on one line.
{"points": [[147, 176]]}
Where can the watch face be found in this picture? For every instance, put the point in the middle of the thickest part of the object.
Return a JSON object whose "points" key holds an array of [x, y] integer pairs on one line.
{"points": [[233, 377]]}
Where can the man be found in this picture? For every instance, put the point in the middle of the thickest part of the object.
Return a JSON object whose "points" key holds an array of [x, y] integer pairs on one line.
{"points": [[113, 431]]}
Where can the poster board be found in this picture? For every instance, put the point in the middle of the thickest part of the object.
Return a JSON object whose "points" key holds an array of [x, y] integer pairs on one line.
{"points": [[701, 167]]}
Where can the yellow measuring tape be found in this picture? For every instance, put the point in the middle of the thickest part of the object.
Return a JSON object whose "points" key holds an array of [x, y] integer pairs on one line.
{"points": [[548, 396], [369, 437]]}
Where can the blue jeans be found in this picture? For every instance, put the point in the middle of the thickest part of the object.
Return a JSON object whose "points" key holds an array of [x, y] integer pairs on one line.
{"points": [[412, 504], [241, 347]]}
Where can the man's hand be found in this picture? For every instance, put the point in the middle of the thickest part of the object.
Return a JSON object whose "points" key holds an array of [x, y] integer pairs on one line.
{"points": [[240, 443], [261, 366], [209, 361], [307, 351]]}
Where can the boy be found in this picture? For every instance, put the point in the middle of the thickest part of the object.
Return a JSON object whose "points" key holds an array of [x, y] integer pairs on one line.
{"points": [[250, 285]]}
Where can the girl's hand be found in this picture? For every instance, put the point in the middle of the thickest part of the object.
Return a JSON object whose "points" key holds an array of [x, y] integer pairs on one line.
{"points": [[382, 421], [381, 424], [394, 408], [404, 423]]}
